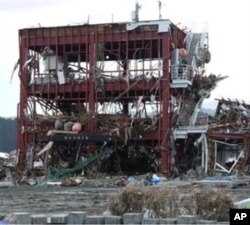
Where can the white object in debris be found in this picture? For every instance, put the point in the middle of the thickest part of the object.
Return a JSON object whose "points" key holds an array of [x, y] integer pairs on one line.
{"points": [[61, 78], [78, 181], [224, 107], [4, 155], [50, 183], [53, 62], [139, 102], [244, 204], [38, 164], [152, 98], [46, 148], [6, 184], [155, 177], [31, 182]]}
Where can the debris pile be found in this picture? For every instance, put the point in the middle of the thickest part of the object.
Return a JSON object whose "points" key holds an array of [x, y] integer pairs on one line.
{"points": [[57, 158], [166, 202], [228, 137], [8, 162]]}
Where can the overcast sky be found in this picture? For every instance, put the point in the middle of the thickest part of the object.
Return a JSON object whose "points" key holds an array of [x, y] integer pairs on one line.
{"points": [[227, 21]]}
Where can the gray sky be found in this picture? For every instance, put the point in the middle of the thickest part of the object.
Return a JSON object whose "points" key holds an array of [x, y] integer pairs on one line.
{"points": [[227, 21]]}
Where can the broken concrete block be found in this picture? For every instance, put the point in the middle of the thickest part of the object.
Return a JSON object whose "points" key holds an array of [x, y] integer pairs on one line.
{"points": [[113, 219], [39, 219], [151, 221], [59, 219], [132, 218], [95, 220], [22, 218], [187, 219], [77, 217], [168, 221]]}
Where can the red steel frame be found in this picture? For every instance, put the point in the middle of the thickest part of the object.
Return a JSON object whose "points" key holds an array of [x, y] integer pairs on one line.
{"points": [[87, 37]]}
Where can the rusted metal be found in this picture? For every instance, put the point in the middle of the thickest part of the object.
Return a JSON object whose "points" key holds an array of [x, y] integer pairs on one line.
{"points": [[94, 65]]}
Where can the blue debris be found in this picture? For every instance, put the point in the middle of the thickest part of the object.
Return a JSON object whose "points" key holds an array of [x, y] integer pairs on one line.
{"points": [[154, 180]]}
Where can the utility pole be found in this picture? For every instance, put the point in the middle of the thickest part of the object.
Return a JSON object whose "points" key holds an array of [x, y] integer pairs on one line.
{"points": [[160, 5], [137, 7]]}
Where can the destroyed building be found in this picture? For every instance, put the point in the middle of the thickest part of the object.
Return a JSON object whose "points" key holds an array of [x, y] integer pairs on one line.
{"points": [[118, 96], [229, 137]]}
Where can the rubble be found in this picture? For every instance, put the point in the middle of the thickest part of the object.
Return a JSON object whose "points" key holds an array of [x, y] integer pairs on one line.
{"points": [[8, 163], [31, 182], [4, 155], [231, 118], [229, 137]]}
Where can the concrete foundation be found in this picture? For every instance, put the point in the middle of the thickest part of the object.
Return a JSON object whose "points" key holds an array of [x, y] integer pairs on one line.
{"points": [[77, 218], [187, 219], [39, 219], [168, 221], [132, 218], [113, 220], [151, 221], [128, 218], [59, 219], [95, 220]]}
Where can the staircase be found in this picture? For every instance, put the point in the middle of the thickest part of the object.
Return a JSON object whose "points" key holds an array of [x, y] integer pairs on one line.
{"points": [[187, 121], [186, 114]]}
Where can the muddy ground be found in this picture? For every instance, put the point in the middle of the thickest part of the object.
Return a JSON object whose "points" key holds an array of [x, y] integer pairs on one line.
{"points": [[48, 200], [54, 199]]}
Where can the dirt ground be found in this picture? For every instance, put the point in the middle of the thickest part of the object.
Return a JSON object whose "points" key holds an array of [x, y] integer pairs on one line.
{"points": [[53, 199], [48, 200]]}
